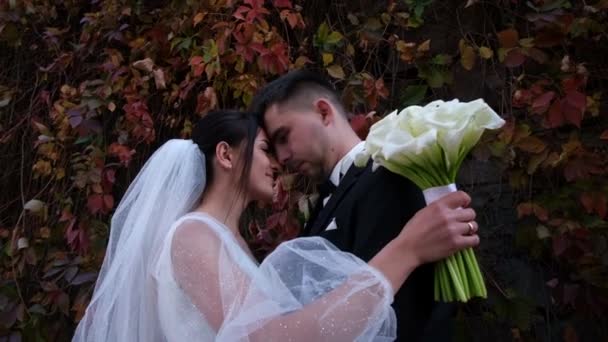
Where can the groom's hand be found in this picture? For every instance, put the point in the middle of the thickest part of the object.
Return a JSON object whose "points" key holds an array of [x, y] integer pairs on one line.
{"points": [[441, 229]]}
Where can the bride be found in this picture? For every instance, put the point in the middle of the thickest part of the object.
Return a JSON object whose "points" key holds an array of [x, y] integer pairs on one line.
{"points": [[177, 268]]}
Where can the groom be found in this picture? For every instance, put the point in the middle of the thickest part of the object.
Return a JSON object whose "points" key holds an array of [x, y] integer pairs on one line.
{"points": [[358, 210]]}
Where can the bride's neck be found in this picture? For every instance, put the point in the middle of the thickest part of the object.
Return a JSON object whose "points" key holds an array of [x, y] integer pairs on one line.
{"points": [[225, 206]]}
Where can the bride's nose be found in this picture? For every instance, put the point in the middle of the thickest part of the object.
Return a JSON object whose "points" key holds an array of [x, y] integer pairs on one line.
{"points": [[274, 165]]}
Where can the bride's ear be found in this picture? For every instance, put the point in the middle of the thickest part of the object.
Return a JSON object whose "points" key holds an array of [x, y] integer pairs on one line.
{"points": [[225, 155]]}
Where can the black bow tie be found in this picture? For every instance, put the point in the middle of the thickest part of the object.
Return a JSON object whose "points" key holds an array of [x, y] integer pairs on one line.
{"points": [[326, 188]]}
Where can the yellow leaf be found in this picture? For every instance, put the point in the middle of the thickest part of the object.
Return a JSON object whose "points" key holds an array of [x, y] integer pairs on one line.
{"points": [[301, 61], [350, 50], [425, 46], [336, 71], [328, 58], [198, 18], [526, 42], [485, 52], [45, 232], [467, 55], [144, 65], [159, 79]]}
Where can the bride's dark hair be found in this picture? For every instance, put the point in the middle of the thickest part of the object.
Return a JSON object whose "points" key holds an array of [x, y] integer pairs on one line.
{"points": [[233, 127]]}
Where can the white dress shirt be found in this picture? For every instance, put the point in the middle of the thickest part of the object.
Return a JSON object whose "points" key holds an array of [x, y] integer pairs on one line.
{"points": [[342, 167]]}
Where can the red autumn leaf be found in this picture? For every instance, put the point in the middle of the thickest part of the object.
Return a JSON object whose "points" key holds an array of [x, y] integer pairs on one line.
{"points": [[108, 203], [508, 38], [243, 34], [198, 66], [595, 202], [577, 100], [573, 83], [381, 89], [541, 103], [276, 220], [206, 101], [583, 167], [123, 153], [83, 240], [539, 86], [279, 201], [141, 123], [521, 98], [529, 208], [514, 58], [360, 125], [66, 215], [95, 203], [282, 3], [293, 18], [256, 11], [555, 116], [573, 107], [273, 60]]}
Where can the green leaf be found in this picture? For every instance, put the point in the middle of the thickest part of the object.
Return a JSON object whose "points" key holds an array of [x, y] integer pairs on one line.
{"points": [[185, 44], [413, 95], [442, 59], [334, 38]]}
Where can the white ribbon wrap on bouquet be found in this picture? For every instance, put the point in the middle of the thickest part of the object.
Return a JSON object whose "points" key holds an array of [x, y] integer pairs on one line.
{"points": [[435, 193]]}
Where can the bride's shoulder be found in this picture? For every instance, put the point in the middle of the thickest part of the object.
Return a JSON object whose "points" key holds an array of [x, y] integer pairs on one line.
{"points": [[196, 234], [198, 224]]}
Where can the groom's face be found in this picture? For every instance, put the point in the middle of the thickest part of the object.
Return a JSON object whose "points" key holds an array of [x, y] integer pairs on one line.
{"points": [[299, 139]]}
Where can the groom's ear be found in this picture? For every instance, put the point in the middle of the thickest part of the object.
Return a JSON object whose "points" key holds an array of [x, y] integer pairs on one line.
{"points": [[224, 154], [326, 110]]}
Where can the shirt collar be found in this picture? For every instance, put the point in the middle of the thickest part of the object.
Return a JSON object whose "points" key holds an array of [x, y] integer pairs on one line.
{"points": [[345, 163]]}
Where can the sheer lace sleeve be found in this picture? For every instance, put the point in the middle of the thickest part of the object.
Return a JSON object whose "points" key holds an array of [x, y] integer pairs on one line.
{"points": [[306, 290]]}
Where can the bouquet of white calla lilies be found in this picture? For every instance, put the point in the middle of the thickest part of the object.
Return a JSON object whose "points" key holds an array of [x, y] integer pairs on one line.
{"points": [[428, 145]]}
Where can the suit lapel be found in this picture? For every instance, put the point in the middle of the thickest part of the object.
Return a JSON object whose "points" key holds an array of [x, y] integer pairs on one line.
{"points": [[345, 185]]}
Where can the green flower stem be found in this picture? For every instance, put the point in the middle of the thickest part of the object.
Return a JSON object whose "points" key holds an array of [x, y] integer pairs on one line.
{"points": [[455, 279], [483, 291], [436, 285], [463, 274]]}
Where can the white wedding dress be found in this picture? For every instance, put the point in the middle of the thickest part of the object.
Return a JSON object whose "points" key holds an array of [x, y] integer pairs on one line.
{"points": [[187, 278], [210, 289]]}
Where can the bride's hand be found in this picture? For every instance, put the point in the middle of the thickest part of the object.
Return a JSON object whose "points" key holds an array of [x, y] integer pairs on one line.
{"points": [[440, 229], [435, 232]]}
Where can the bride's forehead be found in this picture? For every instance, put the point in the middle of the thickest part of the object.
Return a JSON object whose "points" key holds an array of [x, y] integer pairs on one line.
{"points": [[261, 135]]}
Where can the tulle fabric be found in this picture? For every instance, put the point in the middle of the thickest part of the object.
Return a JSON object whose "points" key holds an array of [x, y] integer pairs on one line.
{"points": [[210, 289], [171, 275], [124, 306]]}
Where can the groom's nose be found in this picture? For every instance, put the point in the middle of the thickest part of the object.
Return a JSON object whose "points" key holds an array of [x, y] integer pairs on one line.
{"points": [[283, 155]]}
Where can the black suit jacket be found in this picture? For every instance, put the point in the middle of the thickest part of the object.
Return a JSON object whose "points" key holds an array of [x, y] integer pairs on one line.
{"points": [[370, 209]]}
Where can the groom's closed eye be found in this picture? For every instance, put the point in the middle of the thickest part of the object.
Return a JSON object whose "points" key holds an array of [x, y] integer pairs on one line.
{"points": [[279, 137]]}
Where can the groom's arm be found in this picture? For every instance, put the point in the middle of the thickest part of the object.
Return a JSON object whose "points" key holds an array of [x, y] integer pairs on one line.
{"points": [[385, 203]]}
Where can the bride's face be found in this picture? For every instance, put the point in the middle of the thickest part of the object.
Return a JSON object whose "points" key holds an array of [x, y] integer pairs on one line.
{"points": [[263, 170]]}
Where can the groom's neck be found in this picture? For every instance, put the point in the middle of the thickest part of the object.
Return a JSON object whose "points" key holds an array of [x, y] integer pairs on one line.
{"points": [[341, 143]]}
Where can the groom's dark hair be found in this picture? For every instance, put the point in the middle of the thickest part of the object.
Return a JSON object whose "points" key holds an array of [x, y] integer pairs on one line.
{"points": [[295, 88]]}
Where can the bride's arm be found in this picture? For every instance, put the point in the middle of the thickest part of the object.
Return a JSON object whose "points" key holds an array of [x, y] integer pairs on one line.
{"points": [[307, 289], [239, 305]]}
